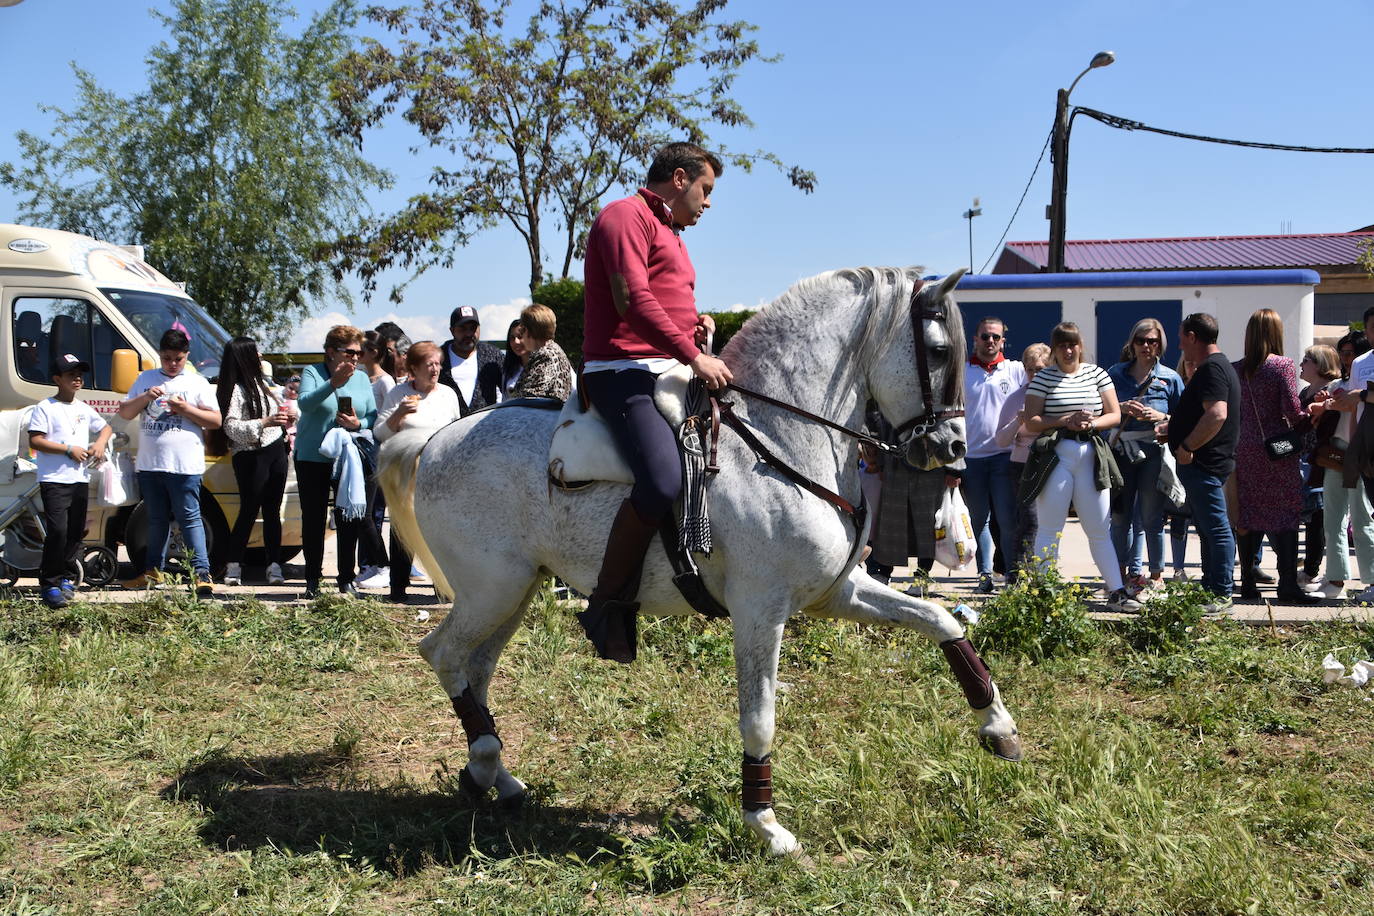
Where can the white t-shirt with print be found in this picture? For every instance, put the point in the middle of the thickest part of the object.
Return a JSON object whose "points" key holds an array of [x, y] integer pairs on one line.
{"points": [[75, 424], [169, 442]]}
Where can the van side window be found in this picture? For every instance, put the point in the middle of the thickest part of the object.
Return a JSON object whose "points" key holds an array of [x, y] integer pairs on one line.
{"points": [[46, 327]]}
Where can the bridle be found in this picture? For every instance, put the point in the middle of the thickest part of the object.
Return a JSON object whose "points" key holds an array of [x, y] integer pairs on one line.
{"points": [[924, 423]]}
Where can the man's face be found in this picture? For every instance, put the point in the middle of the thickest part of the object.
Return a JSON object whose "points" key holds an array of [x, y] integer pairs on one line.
{"points": [[989, 340], [694, 195], [173, 361], [1187, 343], [465, 337]]}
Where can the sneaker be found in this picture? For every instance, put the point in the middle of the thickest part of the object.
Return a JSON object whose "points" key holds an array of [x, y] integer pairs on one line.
{"points": [[416, 572], [374, 577], [151, 578], [68, 588], [233, 574], [1364, 597], [274, 574], [984, 584], [205, 586], [54, 598], [1217, 607], [999, 580], [1136, 583], [1330, 590], [1119, 600], [1180, 575]]}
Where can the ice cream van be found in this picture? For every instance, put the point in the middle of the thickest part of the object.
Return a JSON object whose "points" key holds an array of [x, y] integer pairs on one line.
{"points": [[67, 293]]}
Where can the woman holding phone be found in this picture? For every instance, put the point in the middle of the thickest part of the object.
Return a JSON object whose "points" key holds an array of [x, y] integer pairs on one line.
{"points": [[334, 393]]}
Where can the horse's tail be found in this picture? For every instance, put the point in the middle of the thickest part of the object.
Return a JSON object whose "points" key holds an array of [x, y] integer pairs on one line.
{"points": [[396, 467]]}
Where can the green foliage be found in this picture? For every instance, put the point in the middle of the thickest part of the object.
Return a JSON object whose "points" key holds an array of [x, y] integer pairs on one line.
{"points": [[1168, 621], [1039, 617], [226, 168], [565, 297], [727, 323], [541, 119]]}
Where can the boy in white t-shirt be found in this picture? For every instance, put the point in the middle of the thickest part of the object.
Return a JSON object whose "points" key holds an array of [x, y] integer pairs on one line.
{"points": [[173, 408], [60, 431]]}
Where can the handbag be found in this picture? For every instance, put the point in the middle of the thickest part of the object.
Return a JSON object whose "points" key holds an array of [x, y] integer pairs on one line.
{"points": [[1282, 445], [1329, 456]]}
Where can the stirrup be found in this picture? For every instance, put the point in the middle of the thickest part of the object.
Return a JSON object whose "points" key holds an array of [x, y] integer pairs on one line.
{"points": [[613, 628]]}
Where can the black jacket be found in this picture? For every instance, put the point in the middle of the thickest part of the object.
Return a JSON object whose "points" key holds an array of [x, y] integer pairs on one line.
{"points": [[488, 376]]}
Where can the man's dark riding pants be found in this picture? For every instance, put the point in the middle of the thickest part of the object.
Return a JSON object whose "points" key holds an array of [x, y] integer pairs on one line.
{"points": [[625, 399]]}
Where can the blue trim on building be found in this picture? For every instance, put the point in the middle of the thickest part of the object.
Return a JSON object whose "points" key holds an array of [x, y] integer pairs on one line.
{"points": [[1142, 278]]}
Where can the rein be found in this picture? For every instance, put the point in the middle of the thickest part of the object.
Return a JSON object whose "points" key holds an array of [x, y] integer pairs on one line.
{"points": [[923, 423]]}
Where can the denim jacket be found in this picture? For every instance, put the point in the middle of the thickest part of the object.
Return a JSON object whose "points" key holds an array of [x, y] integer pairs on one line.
{"points": [[1162, 394]]}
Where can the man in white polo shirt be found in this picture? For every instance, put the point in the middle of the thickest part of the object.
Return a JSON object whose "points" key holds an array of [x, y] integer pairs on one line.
{"points": [[989, 379]]}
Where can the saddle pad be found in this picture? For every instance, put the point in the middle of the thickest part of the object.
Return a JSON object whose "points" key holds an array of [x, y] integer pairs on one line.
{"points": [[582, 448]]}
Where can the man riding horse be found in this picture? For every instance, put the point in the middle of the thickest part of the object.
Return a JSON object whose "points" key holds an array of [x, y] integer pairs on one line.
{"points": [[640, 320]]}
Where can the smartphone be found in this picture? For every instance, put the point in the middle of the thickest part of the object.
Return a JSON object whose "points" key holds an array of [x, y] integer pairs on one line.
{"points": [[346, 404]]}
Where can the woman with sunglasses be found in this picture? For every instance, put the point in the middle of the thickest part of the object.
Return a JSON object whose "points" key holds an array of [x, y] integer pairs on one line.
{"points": [[334, 393], [1148, 391]]}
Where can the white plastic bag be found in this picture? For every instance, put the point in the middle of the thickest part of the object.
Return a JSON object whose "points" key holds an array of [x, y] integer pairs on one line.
{"points": [[116, 484], [954, 540]]}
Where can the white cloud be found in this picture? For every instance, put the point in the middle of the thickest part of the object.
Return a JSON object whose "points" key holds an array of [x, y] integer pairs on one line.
{"points": [[309, 334]]}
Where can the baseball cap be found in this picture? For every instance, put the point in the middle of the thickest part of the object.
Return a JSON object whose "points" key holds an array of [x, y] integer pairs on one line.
{"points": [[463, 314], [66, 363]]}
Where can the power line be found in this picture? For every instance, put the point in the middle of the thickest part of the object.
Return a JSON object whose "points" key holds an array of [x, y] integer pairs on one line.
{"points": [[1127, 124], [1019, 202]]}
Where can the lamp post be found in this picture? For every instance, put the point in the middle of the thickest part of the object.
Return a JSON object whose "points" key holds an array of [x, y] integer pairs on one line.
{"points": [[1059, 155], [969, 214]]}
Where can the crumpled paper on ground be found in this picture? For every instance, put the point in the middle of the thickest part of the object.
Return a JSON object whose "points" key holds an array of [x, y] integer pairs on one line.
{"points": [[1333, 672]]}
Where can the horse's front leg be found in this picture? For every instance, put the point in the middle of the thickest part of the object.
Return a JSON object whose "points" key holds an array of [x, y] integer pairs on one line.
{"points": [[863, 599], [758, 640]]}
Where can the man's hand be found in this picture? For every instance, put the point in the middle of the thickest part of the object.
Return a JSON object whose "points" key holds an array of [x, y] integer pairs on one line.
{"points": [[706, 326], [1346, 401], [952, 481], [1183, 455], [348, 421], [79, 454], [714, 371]]}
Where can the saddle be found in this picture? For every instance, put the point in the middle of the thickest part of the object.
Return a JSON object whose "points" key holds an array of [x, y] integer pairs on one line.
{"points": [[583, 452]]}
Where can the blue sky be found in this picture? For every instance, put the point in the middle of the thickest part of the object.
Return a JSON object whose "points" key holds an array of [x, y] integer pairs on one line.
{"points": [[906, 111]]}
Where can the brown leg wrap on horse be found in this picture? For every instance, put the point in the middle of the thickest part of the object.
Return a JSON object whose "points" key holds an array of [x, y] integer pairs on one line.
{"points": [[970, 671], [610, 619], [476, 718], [758, 783]]}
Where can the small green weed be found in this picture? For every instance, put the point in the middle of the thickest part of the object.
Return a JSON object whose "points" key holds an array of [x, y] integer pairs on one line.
{"points": [[1039, 617], [1168, 621]]}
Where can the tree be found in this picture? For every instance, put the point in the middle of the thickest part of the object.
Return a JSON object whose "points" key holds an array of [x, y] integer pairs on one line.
{"points": [[228, 168], [541, 120]]}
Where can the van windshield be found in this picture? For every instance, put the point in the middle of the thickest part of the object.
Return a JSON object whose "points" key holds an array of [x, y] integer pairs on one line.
{"points": [[155, 313]]}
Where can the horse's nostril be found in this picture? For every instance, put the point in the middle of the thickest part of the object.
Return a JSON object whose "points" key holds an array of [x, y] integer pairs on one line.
{"points": [[957, 448]]}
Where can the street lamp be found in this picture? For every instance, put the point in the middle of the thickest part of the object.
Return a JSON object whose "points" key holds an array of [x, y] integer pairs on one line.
{"points": [[1059, 155], [969, 214]]}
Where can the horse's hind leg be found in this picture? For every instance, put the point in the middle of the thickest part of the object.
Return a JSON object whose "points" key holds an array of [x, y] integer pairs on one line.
{"points": [[865, 600], [463, 651]]}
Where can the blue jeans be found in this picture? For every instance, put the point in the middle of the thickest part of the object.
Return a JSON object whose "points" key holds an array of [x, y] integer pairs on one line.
{"points": [[990, 490], [1207, 500], [166, 494], [1140, 493]]}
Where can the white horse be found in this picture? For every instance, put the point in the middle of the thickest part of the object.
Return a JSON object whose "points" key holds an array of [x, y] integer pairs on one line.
{"points": [[827, 346]]}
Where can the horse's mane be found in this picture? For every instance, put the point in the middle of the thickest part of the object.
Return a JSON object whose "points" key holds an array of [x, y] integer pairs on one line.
{"points": [[887, 291]]}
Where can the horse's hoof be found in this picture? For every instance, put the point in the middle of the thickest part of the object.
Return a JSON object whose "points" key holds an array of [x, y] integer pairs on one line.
{"points": [[1004, 747], [469, 789]]}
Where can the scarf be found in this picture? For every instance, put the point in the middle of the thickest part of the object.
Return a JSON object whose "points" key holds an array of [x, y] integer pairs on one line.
{"points": [[350, 497]]}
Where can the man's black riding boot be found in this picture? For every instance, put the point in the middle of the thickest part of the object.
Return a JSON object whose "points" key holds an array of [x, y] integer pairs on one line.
{"points": [[610, 615], [1286, 546], [1246, 545]]}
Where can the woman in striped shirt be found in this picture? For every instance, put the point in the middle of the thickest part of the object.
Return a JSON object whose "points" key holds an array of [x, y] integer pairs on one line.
{"points": [[1078, 399]]}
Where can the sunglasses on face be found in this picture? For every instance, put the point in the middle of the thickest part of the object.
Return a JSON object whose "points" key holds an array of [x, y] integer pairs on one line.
{"points": [[987, 337], [1147, 341], [347, 351]]}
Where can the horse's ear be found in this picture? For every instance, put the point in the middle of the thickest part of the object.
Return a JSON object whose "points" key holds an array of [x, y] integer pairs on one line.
{"points": [[948, 283]]}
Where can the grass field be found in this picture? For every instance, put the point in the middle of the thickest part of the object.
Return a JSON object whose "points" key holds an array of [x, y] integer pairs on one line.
{"points": [[179, 757]]}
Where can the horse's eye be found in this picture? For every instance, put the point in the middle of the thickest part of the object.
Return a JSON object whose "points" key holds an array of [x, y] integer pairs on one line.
{"points": [[941, 350]]}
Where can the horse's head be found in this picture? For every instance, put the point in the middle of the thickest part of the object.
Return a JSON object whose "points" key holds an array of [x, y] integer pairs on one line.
{"points": [[920, 378]]}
